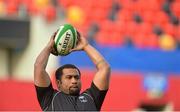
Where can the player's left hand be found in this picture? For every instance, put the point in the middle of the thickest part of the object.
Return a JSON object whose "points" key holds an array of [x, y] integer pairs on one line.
{"points": [[81, 44]]}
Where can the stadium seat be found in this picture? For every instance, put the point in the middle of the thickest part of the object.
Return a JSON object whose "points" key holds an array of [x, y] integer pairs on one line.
{"points": [[175, 7], [31, 7], [99, 15], [139, 40], [145, 28], [101, 39], [110, 34], [107, 26], [146, 40], [120, 27], [103, 4], [12, 8], [112, 39], [178, 33], [65, 3], [124, 15], [50, 13], [128, 5], [161, 18], [152, 41], [148, 16], [131, 28], [169, 29], [149, 5]]}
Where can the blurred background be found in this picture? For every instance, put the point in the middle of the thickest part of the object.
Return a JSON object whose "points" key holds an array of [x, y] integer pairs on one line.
{"points": [[139, 38]]}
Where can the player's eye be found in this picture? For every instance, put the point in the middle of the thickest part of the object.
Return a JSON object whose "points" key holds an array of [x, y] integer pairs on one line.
{"points": [[76, 77], [68, 77]]}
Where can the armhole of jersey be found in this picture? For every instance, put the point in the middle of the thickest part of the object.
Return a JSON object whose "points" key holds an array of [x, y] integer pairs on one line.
{"points": [[53, 100]]}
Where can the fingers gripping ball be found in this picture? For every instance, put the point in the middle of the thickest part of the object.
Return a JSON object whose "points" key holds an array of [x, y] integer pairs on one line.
{"points": [[65, 39]]}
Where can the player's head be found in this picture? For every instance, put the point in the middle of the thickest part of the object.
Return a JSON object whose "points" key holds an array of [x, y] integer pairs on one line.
{"points": [[68, 79]]}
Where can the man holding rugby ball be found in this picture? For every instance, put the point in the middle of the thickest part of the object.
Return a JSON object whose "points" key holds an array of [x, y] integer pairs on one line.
{"points": [[68, 80]]}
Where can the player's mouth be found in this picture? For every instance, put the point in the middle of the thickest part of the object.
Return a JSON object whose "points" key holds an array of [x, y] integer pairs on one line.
{"points": [[74, 87]]}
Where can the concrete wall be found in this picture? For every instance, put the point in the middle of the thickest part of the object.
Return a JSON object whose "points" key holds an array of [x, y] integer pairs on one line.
{"points": [[3, 63], [22, 61]]}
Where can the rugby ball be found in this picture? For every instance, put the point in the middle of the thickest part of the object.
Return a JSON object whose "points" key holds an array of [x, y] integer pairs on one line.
{"points": [[65, 39]]}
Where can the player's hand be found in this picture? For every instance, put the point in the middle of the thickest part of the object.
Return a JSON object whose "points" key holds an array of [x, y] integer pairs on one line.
{"points": [[51, 45], [81, 44]]}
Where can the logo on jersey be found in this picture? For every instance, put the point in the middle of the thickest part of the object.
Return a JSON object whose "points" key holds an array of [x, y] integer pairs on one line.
{"points": [[82, 99]]}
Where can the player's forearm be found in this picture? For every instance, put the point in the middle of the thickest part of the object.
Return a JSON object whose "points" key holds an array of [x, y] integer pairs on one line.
{"points": [[96, 57], [102, 76], [41, 77], [42, 59]]}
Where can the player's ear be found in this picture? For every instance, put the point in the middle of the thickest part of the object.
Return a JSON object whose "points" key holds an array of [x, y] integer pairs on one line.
{"points": [[58, 83]]}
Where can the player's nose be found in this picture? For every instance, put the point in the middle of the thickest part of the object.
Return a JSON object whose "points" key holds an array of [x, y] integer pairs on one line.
{"points": [[74, 80]]}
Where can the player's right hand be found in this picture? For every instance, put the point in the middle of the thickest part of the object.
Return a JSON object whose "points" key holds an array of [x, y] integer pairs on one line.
{"points": [[51, 45]]}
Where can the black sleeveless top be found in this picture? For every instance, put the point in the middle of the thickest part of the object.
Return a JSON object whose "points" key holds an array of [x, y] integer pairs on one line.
{"points": [[53, 100]]}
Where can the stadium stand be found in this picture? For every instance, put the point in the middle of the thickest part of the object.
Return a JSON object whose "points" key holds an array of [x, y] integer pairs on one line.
{"points": [[147, 14]]}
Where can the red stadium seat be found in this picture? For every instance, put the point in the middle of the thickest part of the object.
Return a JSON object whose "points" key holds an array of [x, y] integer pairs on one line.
{"points": [[175, 36], [110, 34], [149, 5], [124, 15], [153, 5], [169, 29], [120, 27], [111, 40], [148, 17], [145, 28], [161, 18], [12, 8], [144, 38], [65, 3], [158, 17], [101, 38], [31, 7], [160, 2], [50, 13], [178, 33], [99, 15], [107, 26], [128, 5], [139, 40], [175, 7], [139, 8], [103, 4], [131, 28], [152, 41]]}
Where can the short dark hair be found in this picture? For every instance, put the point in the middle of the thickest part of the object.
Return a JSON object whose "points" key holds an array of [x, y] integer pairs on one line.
{"points": [[59, 71]]}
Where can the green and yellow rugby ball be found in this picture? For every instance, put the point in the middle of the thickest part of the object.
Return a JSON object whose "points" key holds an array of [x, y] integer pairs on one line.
{"points": [[65, 39]]}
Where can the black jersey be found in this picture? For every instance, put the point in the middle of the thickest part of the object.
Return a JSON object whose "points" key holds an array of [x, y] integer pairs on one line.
{"points": [[53, 100]]}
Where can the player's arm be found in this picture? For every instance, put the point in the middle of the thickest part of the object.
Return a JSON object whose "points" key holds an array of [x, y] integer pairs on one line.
{"points": [[41, 77], [102, 76]]}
